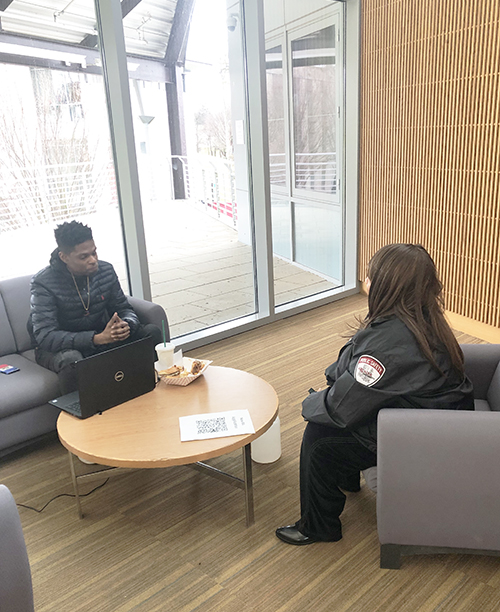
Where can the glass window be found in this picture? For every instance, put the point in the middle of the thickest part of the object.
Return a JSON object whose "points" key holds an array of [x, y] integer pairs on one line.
{"points": [[55, 155], [307, 211], [314, 111], [276, 116], [198, 228], [282, 225], [318, 239]]}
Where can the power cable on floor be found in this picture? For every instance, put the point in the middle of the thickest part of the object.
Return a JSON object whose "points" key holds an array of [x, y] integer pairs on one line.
{"points": [[62, 495]]}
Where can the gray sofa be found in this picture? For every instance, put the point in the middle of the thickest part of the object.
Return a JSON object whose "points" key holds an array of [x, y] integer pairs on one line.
{"points": [[24, 412], [437, 472]]}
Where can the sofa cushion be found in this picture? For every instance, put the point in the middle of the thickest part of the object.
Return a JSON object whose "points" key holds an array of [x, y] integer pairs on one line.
{"points": [[29, 355], [7, 341], [493, 395], [18, 428], [30, 387], [481, 406], [16, 296]]}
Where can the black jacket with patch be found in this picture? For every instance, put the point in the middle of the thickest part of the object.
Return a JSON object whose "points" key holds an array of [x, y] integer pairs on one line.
{"points": [[382, 366], [57, 319]]}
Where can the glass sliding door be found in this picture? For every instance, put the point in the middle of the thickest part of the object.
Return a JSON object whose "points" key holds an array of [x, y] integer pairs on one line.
{"points": [[315, 111], [318, 237], [198, 228], [279, 172], [314, 108], [278, 168], [307, 203]]}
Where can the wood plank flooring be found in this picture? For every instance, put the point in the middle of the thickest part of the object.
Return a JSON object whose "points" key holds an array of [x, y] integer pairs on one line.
{"points": [[175, 540]]}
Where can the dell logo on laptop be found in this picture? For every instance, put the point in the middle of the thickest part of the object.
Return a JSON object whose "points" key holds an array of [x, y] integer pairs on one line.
{"points": [[119, 376]]}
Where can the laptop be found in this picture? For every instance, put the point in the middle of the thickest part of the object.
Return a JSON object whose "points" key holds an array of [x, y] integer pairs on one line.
{"points": [[110, 378]]}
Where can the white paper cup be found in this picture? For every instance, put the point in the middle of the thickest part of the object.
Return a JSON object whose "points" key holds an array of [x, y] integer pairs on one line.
{"points": [[165, 354]]}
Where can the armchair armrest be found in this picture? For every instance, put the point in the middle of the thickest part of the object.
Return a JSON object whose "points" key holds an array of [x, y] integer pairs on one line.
{"points": [[437, 478], [150, 313], [481, 361]]}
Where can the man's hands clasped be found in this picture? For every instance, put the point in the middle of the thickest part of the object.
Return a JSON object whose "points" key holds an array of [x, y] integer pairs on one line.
{"points": [[115, 331]]}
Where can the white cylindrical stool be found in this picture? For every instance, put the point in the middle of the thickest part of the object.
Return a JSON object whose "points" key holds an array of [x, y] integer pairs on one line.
{"points": [[267, 448]]}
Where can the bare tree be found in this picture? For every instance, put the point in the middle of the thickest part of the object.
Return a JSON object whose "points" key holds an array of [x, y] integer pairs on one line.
{"points": [[314, 127], [213, 133], [48, 170]]}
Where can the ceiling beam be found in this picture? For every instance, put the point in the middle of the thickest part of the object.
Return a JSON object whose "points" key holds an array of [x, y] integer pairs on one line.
{"points": [[90, 41], [178, 33], [128, 5], [146, 70], [4, 4]]}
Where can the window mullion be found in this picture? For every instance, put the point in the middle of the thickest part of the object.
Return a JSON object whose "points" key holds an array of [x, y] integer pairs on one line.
{"points": [[114, 59], [259, 153]]}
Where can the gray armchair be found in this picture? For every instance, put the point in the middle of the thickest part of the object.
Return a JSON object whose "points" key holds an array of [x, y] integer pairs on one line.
{"points": [[437, 472], [148, 312], [16, 592]]}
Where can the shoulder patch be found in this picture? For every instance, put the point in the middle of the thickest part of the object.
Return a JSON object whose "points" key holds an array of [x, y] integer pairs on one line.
{"points": [[368, 370]]}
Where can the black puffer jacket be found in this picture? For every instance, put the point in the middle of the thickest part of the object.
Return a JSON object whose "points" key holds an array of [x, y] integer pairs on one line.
{"points": [[382, 366], [58, 321]]}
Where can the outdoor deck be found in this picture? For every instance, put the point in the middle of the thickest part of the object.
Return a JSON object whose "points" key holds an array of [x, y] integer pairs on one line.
{"points": [[202, 275]]}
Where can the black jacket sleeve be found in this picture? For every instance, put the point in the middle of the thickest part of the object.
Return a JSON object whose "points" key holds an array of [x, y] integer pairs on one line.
{"points": [[383, 367], [45, 324], [346, 404]]}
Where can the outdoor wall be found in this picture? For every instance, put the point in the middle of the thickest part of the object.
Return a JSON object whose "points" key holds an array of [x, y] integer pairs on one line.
{"points": [[429, 159]]}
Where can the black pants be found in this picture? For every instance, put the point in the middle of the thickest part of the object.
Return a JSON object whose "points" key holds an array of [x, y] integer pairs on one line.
{"points": [[61, 362], [329, 458]]}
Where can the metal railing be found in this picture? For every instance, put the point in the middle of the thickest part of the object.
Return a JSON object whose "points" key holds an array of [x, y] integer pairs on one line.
{"points": [[277, 168], [316, 171], [210, 181], [313, 171], [45, 194]]}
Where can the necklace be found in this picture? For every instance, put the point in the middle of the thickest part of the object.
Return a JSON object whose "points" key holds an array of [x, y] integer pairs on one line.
{"points": [[86, 308]]}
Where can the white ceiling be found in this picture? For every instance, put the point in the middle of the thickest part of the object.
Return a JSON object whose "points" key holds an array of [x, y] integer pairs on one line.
{"points": [[146, 27]]}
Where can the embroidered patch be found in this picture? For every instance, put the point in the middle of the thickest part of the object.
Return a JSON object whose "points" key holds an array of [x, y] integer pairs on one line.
{"points": [[368, 370]]}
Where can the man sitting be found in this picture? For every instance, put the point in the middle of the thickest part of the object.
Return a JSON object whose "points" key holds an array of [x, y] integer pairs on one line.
{"points": [[78, 307]]}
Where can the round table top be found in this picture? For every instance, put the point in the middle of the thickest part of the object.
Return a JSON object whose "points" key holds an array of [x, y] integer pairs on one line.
{"points": [[144, 432]]}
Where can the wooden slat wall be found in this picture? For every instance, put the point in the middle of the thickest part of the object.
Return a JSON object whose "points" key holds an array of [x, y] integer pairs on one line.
{"points": [[430, 113]]}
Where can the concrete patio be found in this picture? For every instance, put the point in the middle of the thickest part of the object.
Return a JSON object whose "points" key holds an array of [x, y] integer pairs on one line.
{"points": [[202, 275]]}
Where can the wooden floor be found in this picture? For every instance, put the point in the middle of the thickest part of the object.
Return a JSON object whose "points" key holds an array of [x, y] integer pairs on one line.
{"points": [[175, 540]]}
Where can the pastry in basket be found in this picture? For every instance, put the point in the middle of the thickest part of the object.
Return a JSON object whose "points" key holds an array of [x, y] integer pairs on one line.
{"points": [[172, 371], [196, 367]]}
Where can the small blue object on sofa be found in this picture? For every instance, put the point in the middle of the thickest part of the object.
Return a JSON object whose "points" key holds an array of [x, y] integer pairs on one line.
{"points": [[24, 412]]}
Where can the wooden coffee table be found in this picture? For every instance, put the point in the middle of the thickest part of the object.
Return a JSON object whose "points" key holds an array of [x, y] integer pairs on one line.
{"points": [[144, 432]]}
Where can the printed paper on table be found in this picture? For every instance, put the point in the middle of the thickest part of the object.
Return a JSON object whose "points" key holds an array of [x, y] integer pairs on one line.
{"points": [[215, 425]]}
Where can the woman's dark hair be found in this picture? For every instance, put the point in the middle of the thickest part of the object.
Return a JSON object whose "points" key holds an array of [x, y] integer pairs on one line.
{"points": [[69, 234], [405, 283]]}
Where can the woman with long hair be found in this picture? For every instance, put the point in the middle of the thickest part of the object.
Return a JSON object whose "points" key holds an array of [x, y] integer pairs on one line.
{"points": [[404, 355]]}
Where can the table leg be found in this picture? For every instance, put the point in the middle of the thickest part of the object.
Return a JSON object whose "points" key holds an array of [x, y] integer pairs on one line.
{"points": [[75, 483], [247, 477]]}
